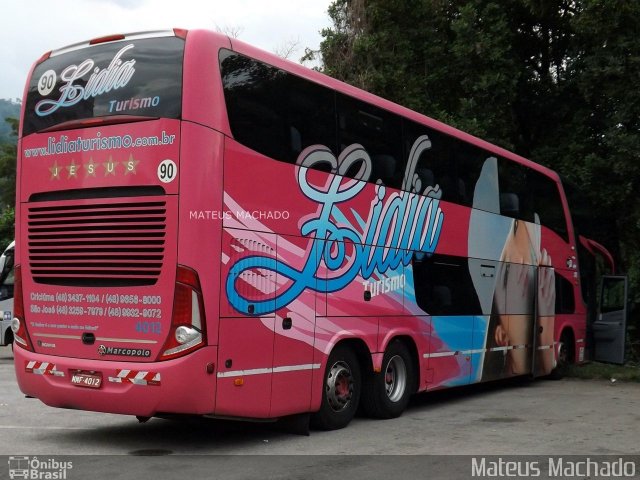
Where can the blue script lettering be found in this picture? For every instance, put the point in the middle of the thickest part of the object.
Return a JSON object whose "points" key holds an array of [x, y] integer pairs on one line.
{"points": [[397, 226], [115, 76]]}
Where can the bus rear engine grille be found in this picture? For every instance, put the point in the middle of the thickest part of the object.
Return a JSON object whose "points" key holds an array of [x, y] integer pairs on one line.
{"points": [[103, 244]]}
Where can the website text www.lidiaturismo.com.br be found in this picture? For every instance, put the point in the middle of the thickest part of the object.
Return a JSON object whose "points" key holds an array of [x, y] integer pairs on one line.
{"points": [[65, 145]]}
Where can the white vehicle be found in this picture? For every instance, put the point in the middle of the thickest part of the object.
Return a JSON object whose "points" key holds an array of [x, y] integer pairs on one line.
{"points": [[6, 294]]}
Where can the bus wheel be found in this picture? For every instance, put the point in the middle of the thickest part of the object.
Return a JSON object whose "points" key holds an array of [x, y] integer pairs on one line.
{"points": [[341, 390], [565, 357], [386, 394]]}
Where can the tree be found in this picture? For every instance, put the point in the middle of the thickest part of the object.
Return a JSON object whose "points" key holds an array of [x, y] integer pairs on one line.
{"points": [[490, 68], [603, 148], [555, 80], [8, 108], [8, 155], [8, 167], [287, 48], [7, 227], [232, 31]]}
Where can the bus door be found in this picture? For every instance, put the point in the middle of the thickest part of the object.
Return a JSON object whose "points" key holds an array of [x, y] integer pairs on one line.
{"points": [[547, 298], [513, 329], [610, 326]]}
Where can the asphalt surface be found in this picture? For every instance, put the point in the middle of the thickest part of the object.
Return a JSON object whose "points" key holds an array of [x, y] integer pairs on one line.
{"points": [[567, 417]]}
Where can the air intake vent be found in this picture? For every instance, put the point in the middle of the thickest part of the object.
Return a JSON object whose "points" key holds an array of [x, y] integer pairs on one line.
{"points": [[97, 244]]}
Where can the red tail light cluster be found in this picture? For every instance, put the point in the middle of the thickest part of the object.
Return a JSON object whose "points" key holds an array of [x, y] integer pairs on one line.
{"points": [[20, 335], [187, 332], [107, 38], [180, 32]]}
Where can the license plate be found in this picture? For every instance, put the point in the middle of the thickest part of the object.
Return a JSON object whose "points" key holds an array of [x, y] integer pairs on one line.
{"points": [[88, 380]]}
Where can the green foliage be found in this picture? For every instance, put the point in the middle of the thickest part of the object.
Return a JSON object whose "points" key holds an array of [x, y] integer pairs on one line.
{"points": [[8, 155], [482, 66], [7, 230], [8, 109], [556, 81], [8, 170], [607, 157]]}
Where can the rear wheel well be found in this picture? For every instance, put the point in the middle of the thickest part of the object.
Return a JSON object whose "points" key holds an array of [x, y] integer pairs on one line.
{"points": [[565, 354], [362, 352], [568, 339], [360, 349]]}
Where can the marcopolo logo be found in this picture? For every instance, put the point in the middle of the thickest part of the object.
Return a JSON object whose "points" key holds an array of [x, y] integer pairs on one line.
{"points": [[38, 469], [124, 352]]}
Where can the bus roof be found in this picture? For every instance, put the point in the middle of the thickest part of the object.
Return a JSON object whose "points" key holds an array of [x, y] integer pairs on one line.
{"points": [[330, 82]]}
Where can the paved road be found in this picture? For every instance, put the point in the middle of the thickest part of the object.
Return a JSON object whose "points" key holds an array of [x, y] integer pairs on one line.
{"points": [[536, 417], [526, 417]]}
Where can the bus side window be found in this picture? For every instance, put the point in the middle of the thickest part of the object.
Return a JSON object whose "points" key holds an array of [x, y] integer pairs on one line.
{"points": [[565, 298], [252, 91], [274, 112], [385, 169], [309, 116], [379, 132], [509, 204], [516, 198], [427, 178], [443, 285], [469, 161], [547, 203], [434, 166]]}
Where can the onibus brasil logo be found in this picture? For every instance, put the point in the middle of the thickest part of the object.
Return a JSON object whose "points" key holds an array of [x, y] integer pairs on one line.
{"points": [[38, 469]]}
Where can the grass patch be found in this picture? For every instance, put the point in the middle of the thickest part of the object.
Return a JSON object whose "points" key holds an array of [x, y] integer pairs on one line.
{"points": [[607, 371]]}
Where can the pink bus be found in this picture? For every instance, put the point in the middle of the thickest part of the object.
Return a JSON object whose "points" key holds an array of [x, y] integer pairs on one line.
{"points": [[205, 228]]}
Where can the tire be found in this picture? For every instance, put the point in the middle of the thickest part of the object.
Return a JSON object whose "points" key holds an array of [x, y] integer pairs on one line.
{"points": [[565, 358], [342, 386], [386, 394]]}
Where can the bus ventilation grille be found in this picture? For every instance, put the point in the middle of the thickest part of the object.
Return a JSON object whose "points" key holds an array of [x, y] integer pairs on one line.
{"points": [[100, 244]]}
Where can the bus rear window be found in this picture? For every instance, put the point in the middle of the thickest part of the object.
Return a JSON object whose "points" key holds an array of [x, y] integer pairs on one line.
{"points": [[141, 77]]}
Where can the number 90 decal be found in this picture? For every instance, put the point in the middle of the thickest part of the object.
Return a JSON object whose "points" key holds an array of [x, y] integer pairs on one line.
{"points": [[167, 171], [47, 82]]}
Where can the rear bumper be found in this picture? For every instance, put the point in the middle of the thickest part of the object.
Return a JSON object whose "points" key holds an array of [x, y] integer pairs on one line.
{"points": [[181, 385]]}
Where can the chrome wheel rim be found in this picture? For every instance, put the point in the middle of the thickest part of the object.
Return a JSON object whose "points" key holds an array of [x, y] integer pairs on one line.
{"points": [[563, 354], [339, 386], [395, 378]]}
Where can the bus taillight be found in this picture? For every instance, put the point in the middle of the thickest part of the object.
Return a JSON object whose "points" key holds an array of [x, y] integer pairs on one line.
{"points": [[180, 32], [107, 38], [187, 331], [20, 335]]}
